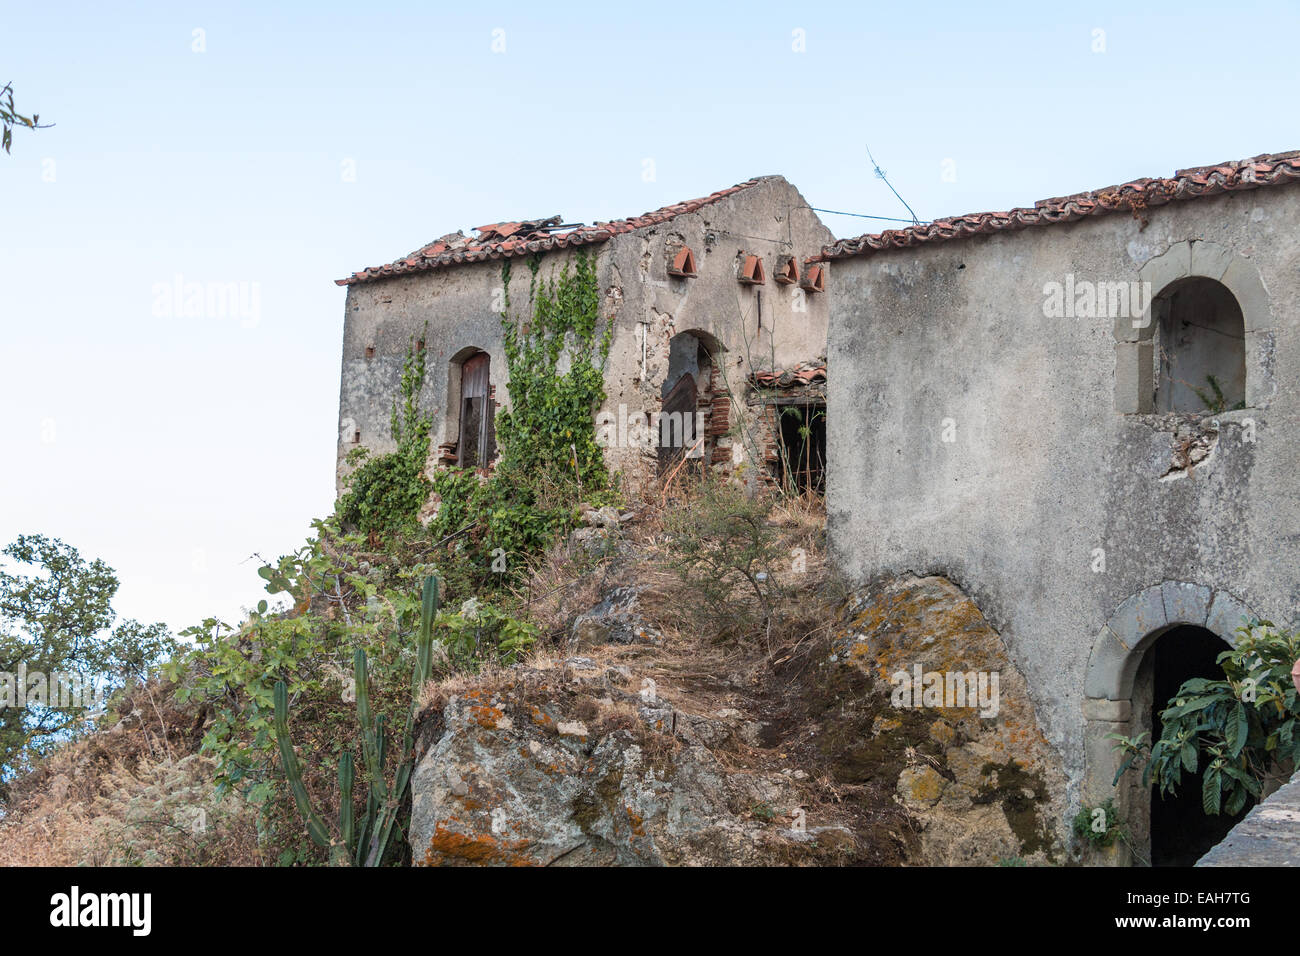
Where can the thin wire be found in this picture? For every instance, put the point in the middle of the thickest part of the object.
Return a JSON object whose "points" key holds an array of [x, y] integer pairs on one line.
{"points": [[859, 215], [741, 235]]}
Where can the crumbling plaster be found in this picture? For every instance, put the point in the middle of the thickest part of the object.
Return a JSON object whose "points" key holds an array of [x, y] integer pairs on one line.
{"points": [[461, 306]]}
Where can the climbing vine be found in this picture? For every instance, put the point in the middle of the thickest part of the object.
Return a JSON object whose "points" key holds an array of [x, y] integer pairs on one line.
{"points": [[549, 460], [550, 419]]}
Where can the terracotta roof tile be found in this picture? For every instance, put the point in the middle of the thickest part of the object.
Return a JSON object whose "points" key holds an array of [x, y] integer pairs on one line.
{"points": [[501, 240], [1273, 169], [806, 373]]}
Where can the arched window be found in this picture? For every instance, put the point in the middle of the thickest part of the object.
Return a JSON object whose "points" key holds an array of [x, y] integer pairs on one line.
{"points": [[1201, 344], [1200, 348]]}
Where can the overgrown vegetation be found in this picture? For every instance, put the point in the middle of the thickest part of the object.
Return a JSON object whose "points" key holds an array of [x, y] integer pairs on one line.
{"points": [[725, 549], [549, 461], [1239, 730], [368, 843], [1099, 826], [353, 591]]}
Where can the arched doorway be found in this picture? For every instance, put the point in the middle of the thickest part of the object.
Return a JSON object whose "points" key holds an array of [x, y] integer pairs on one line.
{"points": [[1180, 831], [687, 399], [1174, 630]]}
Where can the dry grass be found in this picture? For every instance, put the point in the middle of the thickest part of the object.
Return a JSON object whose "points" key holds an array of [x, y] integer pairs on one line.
{"points": [[163, 813], [135, 794]]}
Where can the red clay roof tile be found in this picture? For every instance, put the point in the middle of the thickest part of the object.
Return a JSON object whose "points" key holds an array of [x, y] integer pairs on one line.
{"points": [[805, 373], [1269, 169], [503, 240]]}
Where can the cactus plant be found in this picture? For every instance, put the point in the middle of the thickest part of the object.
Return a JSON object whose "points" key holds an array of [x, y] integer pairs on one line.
{"points": [[366, 846]]}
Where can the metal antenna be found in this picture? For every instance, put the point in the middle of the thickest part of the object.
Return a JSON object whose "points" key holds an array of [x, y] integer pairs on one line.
{"points": [[880, 173]]}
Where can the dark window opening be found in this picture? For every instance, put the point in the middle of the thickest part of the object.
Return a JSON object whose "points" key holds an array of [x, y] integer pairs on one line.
{"points": [[1201, 348], [801, 462], [1181, 832]]}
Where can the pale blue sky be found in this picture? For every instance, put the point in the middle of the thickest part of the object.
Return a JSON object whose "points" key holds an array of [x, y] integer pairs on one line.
{"points": [[174, 447]]}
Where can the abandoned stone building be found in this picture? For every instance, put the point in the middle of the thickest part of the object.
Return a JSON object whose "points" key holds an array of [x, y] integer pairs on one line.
{"points": [[718, 326], [1086, 414]]}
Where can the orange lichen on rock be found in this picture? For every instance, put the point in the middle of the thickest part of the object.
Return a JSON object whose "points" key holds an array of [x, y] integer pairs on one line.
{"points": [[486, 715], [449, 848]]}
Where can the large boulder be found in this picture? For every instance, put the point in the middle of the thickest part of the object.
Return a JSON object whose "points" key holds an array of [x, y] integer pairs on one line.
{"points": [[573, 765], [615, 620]]}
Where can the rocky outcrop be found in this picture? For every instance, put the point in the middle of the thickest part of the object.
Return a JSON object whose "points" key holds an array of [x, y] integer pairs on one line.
{"points": [[931, 704], [615, 620], [654, 753], [576, 765]]}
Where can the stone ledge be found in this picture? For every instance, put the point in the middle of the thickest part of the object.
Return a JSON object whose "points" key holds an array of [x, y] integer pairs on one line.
{"points": [[1268, 836]]}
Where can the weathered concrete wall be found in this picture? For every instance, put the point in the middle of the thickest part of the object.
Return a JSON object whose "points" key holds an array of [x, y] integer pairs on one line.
{"points": [[1044, 465], [386, 316], [462, 309], [461, 306], [759, 327]]}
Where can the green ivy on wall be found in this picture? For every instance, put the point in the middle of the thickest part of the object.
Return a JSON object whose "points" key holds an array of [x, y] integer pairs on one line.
{"points": [[550, 420], [548, 457]]}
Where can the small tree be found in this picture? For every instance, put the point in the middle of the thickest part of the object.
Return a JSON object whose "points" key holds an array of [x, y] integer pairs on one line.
{"points": [[59, 619], [1240, 729]]}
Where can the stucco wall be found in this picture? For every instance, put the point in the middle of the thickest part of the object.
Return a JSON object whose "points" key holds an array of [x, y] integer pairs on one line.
{"points": [[770, 219], [461, 305], [1043, 469], [387, 315]]}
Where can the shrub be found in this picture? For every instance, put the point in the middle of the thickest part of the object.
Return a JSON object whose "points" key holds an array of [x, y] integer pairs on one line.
{"points": [[727, 552], [1099, 826], [1240, 728]]}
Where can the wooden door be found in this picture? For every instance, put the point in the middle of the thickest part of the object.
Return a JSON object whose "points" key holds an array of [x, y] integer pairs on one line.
{"points": [[476, 412]]}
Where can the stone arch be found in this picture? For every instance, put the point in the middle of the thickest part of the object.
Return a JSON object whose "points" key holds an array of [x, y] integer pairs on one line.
{"points": [[1136, 623], [1118, 651], [686, 397], [1192, 259]]}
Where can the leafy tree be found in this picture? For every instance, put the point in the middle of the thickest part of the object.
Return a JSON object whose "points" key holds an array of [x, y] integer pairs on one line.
{"points": [[10, 117], [59, 619], [1239, 729]]}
